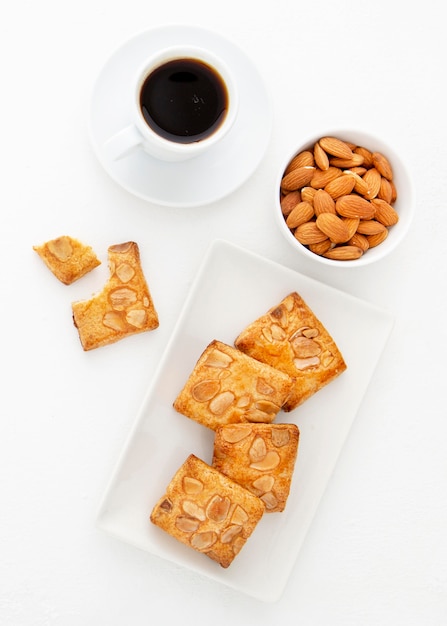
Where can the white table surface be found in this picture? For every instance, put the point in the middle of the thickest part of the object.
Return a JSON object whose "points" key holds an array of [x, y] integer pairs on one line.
{"points": [[376, 553]]}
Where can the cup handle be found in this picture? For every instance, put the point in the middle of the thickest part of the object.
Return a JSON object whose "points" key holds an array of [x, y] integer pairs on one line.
{"points": [[123, 143]]}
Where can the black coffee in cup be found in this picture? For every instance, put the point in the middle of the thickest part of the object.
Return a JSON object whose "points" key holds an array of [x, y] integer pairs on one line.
{"points": [[184, 100]]}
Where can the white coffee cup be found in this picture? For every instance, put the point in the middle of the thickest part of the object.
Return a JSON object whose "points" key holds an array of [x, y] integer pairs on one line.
{"points": [[157, 138]]}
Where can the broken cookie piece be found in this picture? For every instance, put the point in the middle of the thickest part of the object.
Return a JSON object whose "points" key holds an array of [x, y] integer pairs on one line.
{"points": [[290, 338], [260, 457], [67, 258], [124, 306], [226, 386], [207, 511]]}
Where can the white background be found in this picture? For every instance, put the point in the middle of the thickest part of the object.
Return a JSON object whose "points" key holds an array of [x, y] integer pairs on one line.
{"points": [[376, 553]]}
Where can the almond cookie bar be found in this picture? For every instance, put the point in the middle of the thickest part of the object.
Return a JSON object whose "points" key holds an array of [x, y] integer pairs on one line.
{"points": [[290, 338], [207, 511], [124, 306], [260, 457], [227, 386], [67, 258]]}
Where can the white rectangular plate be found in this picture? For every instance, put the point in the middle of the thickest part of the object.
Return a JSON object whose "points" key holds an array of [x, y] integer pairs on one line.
{"points": [[232, 288]]}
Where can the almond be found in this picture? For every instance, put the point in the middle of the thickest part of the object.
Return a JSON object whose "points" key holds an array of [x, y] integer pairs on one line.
{"points": [[394, 192], [382, 164], [307, 194], [354, 161], [372, 178], [355, 206], [385, 213], [320, 247], [321, 157], [385, 191], [360, 170], [352, 224], [340, 186], [370, 227], [336, 147], [334, 227], [289, 202], [270, 461], [360, 241], [323, 202], [322, 177], [375, 240], [360, 186], [302, 159], [309, 233], [344, 253], [302, 213], [366, 154], [297, 178]]}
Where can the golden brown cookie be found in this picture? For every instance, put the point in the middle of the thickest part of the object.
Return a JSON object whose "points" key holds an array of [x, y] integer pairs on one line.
{"points": [[67, 258], [207, 511], [124, 306], [227, 386], [260, 457], [290, 338]]}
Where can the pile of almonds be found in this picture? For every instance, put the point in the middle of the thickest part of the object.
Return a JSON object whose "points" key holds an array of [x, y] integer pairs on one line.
{"points": [[337, 198]]}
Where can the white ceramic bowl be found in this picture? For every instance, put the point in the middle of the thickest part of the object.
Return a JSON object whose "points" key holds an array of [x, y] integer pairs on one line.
{"points": [[404, 204]]}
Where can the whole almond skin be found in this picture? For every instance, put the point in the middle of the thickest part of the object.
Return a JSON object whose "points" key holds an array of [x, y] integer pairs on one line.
{"points": [[393, 192], [382, 164], [360, 186], [358, 170], [352, 223], [302, 213], [323, 202], [321, 157], [321, 178], [321, 247], [334, 227], [309, 233], [353, 205], [373, 179], [344, 253], [302, 159], [289, 202], [360, 241], [354, 161], [298, 177], [366, 154], [340, 186], [336, 147], [370, 227], [308, 193], [375, 240], [385, 213], [386, 190]]}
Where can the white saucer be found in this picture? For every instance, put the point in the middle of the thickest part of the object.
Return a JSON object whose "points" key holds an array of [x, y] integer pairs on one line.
{"points": [[201, 180]]}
